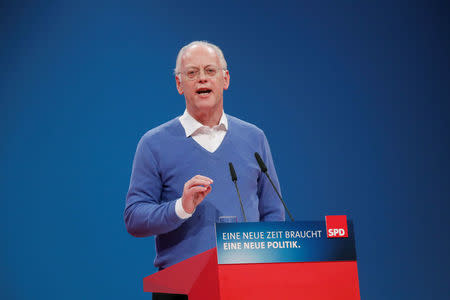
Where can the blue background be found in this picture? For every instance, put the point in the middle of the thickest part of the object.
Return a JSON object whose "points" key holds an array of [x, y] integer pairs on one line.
{"points": [[353, 97]]}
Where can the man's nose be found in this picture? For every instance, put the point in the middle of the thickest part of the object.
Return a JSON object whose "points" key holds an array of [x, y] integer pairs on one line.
{"points": [[202, 75]]}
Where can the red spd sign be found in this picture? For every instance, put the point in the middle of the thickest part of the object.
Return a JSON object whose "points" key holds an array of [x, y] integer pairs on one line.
{"points": [[336, 226]]}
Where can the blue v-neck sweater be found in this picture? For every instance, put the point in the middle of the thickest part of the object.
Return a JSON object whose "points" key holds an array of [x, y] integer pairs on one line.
{"points": [[165, 159]]}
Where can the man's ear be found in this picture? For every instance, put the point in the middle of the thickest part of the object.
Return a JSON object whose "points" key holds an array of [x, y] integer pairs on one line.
{"points": [[226, 79], [179, 87]]}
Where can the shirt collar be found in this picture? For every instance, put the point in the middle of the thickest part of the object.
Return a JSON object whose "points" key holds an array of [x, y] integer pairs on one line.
{"points": [[191, 125]]}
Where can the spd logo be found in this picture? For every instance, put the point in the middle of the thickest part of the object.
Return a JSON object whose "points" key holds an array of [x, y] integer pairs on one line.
{"points": [[336, 226]]}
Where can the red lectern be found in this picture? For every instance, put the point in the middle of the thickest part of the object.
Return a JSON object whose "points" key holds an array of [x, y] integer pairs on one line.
{"points": [[202, 278]]}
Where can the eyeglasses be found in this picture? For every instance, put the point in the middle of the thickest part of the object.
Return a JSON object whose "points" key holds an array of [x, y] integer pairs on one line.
{"points": [[194, 73]]}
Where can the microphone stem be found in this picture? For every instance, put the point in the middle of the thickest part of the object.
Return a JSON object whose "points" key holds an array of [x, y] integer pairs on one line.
{"points": [[279, 196], [240, 201]]}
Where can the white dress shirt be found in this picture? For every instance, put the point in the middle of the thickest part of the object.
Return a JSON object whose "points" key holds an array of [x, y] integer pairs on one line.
{"points": [[209, 138]]}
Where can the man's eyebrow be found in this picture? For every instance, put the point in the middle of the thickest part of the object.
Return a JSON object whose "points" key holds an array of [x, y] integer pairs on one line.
{"points": [[197, 67]]}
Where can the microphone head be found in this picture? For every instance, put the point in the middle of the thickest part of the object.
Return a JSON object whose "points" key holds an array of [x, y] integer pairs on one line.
{"points": [[260, 162], [232, 172]]}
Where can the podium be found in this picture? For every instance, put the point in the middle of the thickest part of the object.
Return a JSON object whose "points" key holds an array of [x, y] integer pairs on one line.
{"points": [[291, 261]]}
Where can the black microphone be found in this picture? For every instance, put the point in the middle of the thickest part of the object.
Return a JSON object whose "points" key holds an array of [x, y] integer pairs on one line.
{"points": [[233, 173], [263, 167], [261, 164], [234, 179]]}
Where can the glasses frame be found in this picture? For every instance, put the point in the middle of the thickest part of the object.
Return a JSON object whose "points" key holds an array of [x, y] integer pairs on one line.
{"points": [[197, 76]]}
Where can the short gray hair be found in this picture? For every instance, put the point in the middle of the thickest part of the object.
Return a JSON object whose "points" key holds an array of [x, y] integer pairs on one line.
{"points": [[216, 49]]}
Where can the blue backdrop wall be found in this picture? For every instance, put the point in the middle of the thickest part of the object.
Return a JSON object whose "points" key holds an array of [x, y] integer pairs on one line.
{"points": [[353, 97]]}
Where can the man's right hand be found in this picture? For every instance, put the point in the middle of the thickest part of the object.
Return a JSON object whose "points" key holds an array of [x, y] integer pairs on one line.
{"points": [[195, 190]]}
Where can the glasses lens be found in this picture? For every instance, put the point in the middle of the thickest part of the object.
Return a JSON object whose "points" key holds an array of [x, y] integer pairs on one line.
{"points": [[192, 73], [211, 71]]}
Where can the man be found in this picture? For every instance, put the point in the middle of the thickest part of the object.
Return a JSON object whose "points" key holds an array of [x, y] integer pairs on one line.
{"points": [[180, 183]]}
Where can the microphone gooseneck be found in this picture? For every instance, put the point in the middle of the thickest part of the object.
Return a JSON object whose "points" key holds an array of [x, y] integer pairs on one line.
{"points": [[263, 168]]}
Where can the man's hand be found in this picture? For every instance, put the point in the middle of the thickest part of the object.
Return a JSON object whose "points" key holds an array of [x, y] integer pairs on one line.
{"points": [[195, 190]]}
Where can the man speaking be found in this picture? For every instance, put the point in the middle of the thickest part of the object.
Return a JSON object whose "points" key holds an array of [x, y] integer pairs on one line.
{"points": [[180, 183]]}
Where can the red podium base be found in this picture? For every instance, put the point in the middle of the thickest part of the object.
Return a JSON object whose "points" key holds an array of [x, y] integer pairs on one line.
{"points": [[201, 278]]}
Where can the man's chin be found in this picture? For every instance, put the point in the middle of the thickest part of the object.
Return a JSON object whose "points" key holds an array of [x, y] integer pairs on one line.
{"points": [[209, 101]]}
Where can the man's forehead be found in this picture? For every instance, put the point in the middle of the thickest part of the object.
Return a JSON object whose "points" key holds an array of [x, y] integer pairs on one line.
{"points": [[199, 54]]}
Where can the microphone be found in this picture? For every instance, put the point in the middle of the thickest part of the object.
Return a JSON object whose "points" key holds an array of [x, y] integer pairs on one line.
{"points": [[261, 164], [263, 168], [233, 173], [234, 179]]}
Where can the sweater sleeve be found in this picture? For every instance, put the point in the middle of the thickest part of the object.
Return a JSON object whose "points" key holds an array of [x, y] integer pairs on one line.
{"points": [[145, 214], [270, 206]]}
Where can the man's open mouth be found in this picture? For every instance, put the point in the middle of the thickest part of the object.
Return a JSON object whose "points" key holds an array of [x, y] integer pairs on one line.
{"points": [[203, 91]]}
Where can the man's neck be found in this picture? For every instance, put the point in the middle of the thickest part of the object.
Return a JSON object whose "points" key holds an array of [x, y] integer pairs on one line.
{"points": [[210, 119]]}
